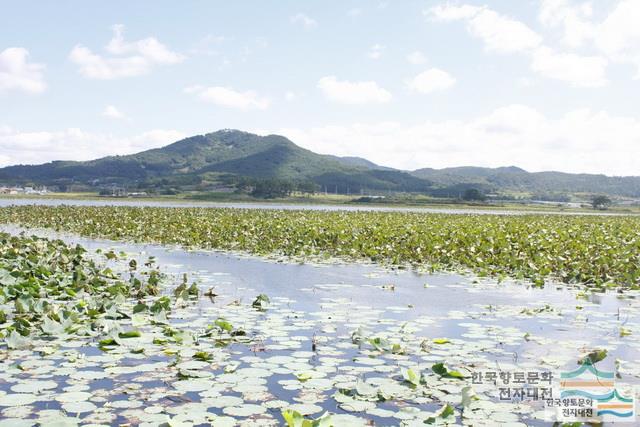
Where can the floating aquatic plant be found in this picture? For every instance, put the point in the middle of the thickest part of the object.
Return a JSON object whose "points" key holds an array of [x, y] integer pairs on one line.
{"points": [[594, 250]]}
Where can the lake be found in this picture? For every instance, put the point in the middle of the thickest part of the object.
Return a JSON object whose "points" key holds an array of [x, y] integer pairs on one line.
{"points": [[324, 344], [9, 201]]}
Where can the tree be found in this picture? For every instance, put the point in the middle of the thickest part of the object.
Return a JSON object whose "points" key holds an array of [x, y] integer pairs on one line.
{"points": [[272, 188], [473, 194], [600, 202], [308, 187]]}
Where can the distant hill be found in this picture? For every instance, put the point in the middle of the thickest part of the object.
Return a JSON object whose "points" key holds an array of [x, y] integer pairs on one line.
{"points": [[516, 179], [359, 162], [227, 158], [220, 155]]}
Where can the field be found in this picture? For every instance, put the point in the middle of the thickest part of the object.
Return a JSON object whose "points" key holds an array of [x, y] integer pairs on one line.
{"points": [[593, 250], [117, 332]]}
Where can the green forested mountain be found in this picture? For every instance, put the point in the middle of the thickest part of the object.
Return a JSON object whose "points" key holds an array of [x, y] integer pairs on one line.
{"points": [[359, 162], [515, 179], [231, 157], [215, 156]]}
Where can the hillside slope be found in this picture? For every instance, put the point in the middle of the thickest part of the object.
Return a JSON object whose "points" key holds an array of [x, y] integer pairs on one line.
{"points": [[221, 158], [227, 152], [516, 179]]}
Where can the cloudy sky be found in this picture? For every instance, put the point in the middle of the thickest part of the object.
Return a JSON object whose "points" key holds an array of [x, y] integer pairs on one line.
{"points": [[541, 84]]}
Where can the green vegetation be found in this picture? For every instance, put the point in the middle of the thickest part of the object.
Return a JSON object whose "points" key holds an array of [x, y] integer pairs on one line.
{"points": [[214, 161], [273, 166], [551, 186], [104, 338], [274, 188], [473, 194], [594, 250], [600, 202], [59, 307], [56, 289]]}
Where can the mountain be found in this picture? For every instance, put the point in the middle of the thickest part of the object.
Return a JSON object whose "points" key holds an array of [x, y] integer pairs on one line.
{"points": [[540, 183], [231, 158], [219, 157], [359, 162]]}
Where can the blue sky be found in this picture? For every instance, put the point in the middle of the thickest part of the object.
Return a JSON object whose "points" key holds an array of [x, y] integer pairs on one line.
{"points": [[541, 84]]}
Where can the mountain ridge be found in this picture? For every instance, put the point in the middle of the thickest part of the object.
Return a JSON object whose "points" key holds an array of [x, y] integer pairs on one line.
{"points": [[224, 156], [218, 156]]}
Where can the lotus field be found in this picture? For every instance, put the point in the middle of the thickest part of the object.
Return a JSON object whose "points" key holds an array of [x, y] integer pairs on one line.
{"points": [[119, 332], [594, 250]]}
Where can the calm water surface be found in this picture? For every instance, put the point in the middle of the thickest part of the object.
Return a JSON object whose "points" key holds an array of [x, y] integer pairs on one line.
{"points": [[6, 201], [561, 321]]}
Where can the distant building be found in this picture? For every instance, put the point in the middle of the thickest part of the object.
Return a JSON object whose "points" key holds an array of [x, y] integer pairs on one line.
{"points": [[118, 192]]}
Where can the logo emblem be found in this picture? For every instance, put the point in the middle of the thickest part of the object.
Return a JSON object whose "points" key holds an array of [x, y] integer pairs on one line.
{"points": [[591, 395]]}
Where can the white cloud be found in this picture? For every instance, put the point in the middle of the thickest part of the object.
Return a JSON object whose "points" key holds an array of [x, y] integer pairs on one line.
{"points": [[113, 113], [449, 12], [230, 98], [416, 58], [304, 20], [346, 92], [579, 141], [619, 35], [375, 51], [354, 12], [503, 34], [17, 73], [97, 67], [34, 147], [499, 33], [571, 18], [580, 71], [432, 80], [125, 59], [150, 48]]}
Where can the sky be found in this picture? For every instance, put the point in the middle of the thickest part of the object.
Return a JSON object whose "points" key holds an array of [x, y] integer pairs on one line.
{"points": [[539, 84]]}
